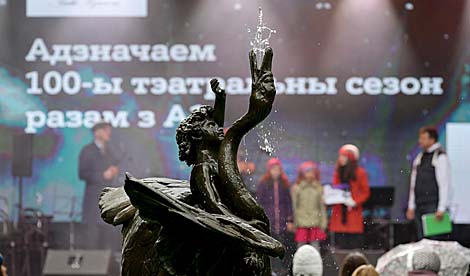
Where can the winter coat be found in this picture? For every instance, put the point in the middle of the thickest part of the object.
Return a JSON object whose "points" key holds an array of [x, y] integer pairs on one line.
{"points": [[307, 205], [265, 197], [360, 192]]}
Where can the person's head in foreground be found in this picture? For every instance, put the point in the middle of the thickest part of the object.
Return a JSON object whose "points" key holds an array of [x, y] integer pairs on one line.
{"points": [[365, 270], [425, 262], [307, 262], [351, 263], [3, 268]]}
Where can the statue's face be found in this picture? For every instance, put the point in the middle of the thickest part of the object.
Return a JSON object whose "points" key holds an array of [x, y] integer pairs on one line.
{"points": [[211, 131]]}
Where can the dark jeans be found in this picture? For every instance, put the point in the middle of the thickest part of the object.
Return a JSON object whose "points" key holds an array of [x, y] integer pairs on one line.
{"points": [[348, 241], [422, 209]]}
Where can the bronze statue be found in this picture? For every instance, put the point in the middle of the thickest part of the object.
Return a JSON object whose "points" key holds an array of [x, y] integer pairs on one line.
{"points": [[211, 225]]}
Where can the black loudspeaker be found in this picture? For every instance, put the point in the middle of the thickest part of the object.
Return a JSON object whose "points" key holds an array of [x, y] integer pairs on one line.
{"points": [[22, 155], [78, 262]]}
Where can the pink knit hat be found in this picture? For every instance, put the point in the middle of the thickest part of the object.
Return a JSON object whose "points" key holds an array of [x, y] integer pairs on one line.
{"points": [[308, 166], [273, 162]]}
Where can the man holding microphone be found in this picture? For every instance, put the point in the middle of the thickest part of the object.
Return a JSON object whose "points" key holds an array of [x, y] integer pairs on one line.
{"points": [[98, 168]]}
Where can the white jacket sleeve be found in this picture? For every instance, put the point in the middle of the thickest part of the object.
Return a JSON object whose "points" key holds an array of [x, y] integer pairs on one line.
{"points": [[443, 181], [411, 199]]}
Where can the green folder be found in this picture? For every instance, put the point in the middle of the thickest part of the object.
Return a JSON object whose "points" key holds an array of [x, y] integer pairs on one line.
{"points": [[432, 227]]}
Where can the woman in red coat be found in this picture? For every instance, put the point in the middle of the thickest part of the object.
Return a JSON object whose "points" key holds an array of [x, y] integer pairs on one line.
{"points": [[346, 221]]}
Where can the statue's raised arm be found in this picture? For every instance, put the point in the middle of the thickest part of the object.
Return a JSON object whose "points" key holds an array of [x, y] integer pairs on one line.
{"points": [[232, 189], [219, 105]]}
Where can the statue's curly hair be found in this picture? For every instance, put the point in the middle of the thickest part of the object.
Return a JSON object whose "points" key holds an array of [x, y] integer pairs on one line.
{"points": [[188, 128]]}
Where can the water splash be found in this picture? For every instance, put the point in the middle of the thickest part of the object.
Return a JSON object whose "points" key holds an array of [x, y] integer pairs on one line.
{"points": [[270, 137], [260, 41]]}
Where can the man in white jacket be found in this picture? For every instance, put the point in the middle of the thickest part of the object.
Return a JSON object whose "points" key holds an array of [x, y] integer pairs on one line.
{"points": [[430, 180]]}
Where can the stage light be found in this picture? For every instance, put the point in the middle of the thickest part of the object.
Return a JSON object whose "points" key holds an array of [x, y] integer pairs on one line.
{"points": [[409, 6], [323, 6], [237, 6]]}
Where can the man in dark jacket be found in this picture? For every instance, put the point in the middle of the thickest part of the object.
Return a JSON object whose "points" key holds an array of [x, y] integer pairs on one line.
{"points": [[430, 181], [98, 168]]}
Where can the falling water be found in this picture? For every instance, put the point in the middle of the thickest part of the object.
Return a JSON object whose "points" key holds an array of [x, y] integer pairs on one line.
{"points": [[270, 136]]}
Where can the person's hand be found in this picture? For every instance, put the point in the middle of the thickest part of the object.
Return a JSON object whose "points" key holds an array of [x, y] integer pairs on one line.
{"points": [[110, 172], [350, 202], [262, 86], [290, 227], [216, 88], [114, 171], [410, 214], [439, 215]]}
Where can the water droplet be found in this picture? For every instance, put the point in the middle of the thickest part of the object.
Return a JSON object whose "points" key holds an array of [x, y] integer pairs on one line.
{"points": [[237, 6], [446, 36]]}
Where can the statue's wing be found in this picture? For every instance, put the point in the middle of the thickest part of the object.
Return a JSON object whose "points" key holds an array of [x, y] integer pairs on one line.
{"points": [[139, 255], [156, 205], [116, 207]]}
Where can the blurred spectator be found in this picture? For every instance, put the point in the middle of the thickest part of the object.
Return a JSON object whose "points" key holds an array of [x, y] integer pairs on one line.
{"points": [[346, 220], [425, 263], [273, 194], [365, 270], [430, 181], [351, 263], [307, 204], [98, 167], [307, 262], [3, 268]]}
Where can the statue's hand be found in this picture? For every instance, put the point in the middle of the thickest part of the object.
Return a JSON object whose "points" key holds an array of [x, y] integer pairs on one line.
{"points": [[262, 86], [216, 88]]}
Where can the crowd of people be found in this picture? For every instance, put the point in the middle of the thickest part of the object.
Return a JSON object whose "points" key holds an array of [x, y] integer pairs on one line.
{"points": [[308, 262], [300, 208]]}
